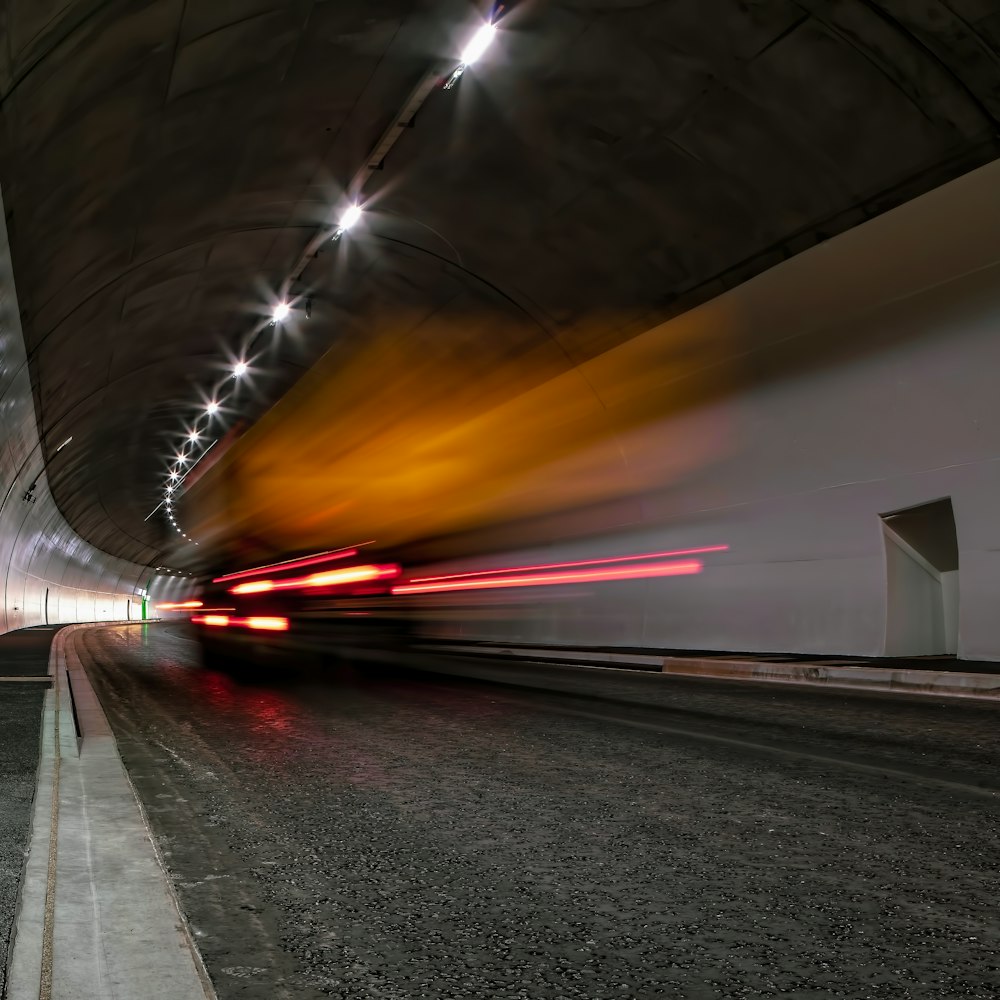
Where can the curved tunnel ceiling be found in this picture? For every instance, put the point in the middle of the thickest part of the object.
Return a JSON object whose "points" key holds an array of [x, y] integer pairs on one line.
{"points": [[606, 164]]}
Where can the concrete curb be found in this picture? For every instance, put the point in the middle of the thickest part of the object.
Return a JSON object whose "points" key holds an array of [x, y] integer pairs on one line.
{"points": [[98, 918], [940, 684]]}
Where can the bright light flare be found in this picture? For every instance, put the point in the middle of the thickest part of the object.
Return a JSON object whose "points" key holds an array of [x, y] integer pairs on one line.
{"points": [[332, 578], [240, 369], [350, 217], [479, 44], [554, 579], [182, 606], [193, 436], [211, 408], [280, 312]]}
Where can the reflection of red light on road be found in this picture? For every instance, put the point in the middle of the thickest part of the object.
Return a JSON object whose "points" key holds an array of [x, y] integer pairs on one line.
{"points": [[182, 606], [315, 560], [568, 565], [331, 578], [637, 572]]}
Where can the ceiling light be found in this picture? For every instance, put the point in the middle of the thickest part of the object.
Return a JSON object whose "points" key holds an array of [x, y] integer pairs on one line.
{"points": [[479, 44], [182, 459], [281, 311], [170, 489], [63, 445], [350, 217], [193, 436], [212, 408], [239, 369]]}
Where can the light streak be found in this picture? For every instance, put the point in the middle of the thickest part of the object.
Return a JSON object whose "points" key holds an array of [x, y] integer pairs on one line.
{"points": [[256, 622], [553, 579], [331, 578], [314, 560], [568, 565]]}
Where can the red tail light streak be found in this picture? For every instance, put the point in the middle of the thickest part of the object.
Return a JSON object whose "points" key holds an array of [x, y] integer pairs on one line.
{"points": [[570, 565], [261, 623], [210, 619], [330, 578], [515, 577]]}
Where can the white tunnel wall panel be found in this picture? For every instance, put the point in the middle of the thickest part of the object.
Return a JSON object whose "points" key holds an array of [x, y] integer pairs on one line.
{"points": [[902, 409], [49, 574]]}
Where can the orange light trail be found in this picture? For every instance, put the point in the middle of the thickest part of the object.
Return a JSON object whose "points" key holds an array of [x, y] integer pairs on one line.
{"points": [[331, 578], [182, 606], [569, 565], [313, 560], [552, 579]]}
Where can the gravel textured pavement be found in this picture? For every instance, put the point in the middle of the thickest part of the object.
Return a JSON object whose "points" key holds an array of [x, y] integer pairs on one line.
{"points": [[366, 835]]}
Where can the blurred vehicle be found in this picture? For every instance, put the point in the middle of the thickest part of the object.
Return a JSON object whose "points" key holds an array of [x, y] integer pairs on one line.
{"points": [[310, 603]]}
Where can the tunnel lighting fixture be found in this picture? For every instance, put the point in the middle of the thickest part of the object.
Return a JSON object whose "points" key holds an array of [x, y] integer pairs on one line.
{"points": [[211, 408], [347, 220], [169, 489], [280, 312], [63, 445], [193, 436], [350, 217], [174, 475], [240, 369], [183, 459], [479, 44]]}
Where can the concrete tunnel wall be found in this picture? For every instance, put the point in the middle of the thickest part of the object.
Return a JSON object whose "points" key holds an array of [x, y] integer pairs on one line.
{"points": [[903, 410], [49, 574]]}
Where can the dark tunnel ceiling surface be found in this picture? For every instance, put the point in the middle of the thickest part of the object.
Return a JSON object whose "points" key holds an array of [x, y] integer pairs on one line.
{"points": [[165, 163]]}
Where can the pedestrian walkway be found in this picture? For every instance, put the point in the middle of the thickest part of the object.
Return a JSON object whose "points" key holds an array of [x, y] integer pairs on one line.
{"points": [[89, 912], [24, 680]]}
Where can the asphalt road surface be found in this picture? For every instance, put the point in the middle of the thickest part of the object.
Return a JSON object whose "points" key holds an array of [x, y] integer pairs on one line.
{"points": [[360, 834]]}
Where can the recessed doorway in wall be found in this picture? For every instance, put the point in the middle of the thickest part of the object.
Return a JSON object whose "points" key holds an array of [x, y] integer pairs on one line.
{"points": [[921, 570]]}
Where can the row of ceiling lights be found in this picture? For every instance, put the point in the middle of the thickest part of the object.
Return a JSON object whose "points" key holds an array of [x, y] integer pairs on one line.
{"points": [[182, 463]]}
